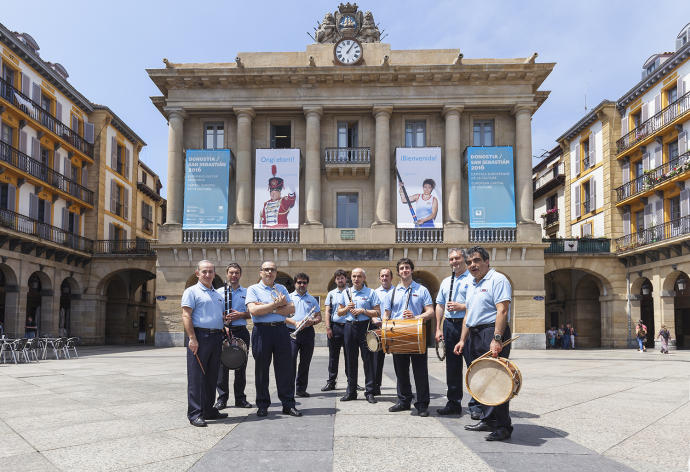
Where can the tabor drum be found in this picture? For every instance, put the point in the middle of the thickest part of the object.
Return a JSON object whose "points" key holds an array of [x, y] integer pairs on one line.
{"points": [[234, 353], [403, 336], [374, 340], [493, 381]]}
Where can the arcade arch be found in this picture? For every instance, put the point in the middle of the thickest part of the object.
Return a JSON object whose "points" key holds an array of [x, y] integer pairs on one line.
{"points": [[128, 319]]}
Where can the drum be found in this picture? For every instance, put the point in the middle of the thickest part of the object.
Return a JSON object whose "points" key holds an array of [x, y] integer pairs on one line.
{"points": [[374, 340], [441, 350], [403, 336], [234, 353], [493, 381]]}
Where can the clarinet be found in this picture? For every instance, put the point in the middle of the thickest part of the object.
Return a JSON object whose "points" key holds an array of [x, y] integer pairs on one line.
{"points": [[409, 295], [228, 299], [349, 297], [452, 279]]}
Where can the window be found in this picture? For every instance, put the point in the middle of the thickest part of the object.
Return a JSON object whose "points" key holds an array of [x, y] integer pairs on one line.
{"points": [[584, 150], [117, 199], [347, 210], [5, 197], [6, 136], [281, 136], [147, 216], [118, 233], [120, 160], [671, 95], [674, 207], [347, 138], [586, 201], [213, 136], [551, 202], [639, 172], [415, 133], [672, 150], [636, 118], [144, 175], [72, 223], [639, 221], [8, 75], [483, 133], [586, 230]]}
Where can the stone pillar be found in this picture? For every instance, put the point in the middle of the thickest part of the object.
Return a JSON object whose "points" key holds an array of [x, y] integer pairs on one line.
{"points": [[668, 318], [523, 159], [175, 167], [453, 162], [312, 184], [243, 177], [382, 167]]}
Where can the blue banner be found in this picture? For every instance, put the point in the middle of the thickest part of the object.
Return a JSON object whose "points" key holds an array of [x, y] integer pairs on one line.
{"points": [[491, 187], [206, 180]]}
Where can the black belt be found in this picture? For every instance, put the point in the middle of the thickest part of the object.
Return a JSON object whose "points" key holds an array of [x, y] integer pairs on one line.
{"points": [[209, 330], [271, 323], [356, 322], [237, 327], [454, 320], [482, 326]]}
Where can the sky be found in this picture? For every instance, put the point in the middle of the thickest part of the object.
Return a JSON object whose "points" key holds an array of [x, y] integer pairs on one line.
{"points": [[598, 46]]}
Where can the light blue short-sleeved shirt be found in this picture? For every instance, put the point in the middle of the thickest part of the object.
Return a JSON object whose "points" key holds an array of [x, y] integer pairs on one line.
{"points": [[364, 298], [483, 296], [459, 292], [262, 293], [206, 304], [303, 305], [239, 296], [382, 293], [419, 298], [333, 300]]}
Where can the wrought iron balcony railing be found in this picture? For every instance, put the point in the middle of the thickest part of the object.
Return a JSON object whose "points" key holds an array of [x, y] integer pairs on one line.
{"points": [[493, 235], [279, 236], [355, 155], [36, 112], [581, 245], [205, 236], [650, 126], [587, 205], [669, 230], [26, 225], [419, 235], [551, 218], [654, 177], [125, 247], [21, 161]]}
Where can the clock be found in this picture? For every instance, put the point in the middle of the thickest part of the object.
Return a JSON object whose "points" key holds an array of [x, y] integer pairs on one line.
{"points": [[348, 51]]}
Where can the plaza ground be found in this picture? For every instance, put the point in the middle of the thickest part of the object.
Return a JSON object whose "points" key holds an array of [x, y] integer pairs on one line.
{"points": [[124, 408]]}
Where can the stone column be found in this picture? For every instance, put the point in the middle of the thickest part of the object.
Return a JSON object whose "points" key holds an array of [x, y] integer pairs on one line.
{"points": [[175, 166], [523, 159], [382, 167], [312, 184], [453, 162], [243, 177]]}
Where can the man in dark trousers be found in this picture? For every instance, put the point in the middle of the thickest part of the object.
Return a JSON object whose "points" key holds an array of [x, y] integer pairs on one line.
{"points": [[202, 318], [235, 325], [335, 329], [386, 279], [302, 343], [485, 329]]}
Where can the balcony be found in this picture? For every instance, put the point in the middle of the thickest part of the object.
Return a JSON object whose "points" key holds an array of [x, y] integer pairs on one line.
{"points": [[550, 217], [651, 126], [276, 236], [37, 169], [555, 177], [350, 162], [419, 235], [579, 246], [35, 112], [205, 236], [587, 206], [26, 225], [493, 235], [652, 178], [663, 232], [123, 247]]}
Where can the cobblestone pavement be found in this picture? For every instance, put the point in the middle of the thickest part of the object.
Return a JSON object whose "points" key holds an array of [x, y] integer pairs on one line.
{"points": [[124, 408]]}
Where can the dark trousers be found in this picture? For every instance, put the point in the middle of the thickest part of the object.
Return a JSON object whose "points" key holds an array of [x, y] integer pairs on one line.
{"points": [[334, 345], [222, 387], [304, 347], [200, 386], [479, 343], [356, 342], [420, 371], [451, 336], [379, 358], [272, 343]]}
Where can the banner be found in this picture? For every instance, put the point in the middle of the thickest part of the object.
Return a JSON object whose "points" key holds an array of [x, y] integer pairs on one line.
{"points": [[276, 188], [206, 179], [418, 175], [491, 187]]}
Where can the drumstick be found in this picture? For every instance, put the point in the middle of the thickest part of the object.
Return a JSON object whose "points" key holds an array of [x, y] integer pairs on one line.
{"points": [[199, 361], [502, 346]]}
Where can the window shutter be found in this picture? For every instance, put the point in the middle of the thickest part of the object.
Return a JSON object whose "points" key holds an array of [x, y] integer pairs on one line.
{"points": [[624, 125], [592, 194], [657, 103], [65, 219], [127, 156], [684, 202], [26, 85], [645, 161], [113, 153], [626, 222], [648, 216], [11, 197], [680, 87], [592, 150], [125, 204], [659, 216], [113, 196], [36, 93], [577, 201], [76, 224], [682, 142], [46, 212], [84, 176], [75, 123], [58, 110], [34, 148], [644, 115], [56, 161], [574, 160], [22, 141], [33, 206], [658, 158], [88, 132], [626, 172], [66, 169], [111, 231]]}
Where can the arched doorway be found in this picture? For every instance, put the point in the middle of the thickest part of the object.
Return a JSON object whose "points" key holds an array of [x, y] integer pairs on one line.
{"points": [[681, 310], [284, 279], [647, 310], [587, 318], [37, 304], [68, 293], [3, 284], [127, 316]]}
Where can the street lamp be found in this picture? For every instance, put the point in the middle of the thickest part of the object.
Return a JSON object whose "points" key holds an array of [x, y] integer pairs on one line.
{"points": [[681, 284]]}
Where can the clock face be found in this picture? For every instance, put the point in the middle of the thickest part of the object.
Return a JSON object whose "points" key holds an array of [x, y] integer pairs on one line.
{"points": [[348, 51]]}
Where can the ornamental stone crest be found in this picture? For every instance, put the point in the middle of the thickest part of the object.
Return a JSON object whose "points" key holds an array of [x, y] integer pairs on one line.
{"points": [[347, 22]]}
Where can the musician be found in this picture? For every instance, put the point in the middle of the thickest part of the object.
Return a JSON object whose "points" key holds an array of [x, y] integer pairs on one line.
{"points": [[236, 326], [303, 344], [485, 328], [202, 318], [386, 278], [359, 304], [275, 210], [450, 312], [410, 300], [335, 329], [269, 304]]}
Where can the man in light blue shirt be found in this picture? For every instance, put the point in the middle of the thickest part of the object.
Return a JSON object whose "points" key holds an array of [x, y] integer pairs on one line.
{"points": [[269, 304], [302, 343], [410, 300], [486, 327], [335, 329], [202, 318], [386, 279]]}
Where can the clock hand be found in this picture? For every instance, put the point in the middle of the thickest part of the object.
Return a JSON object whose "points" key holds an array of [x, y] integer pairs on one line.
{"points": [[348, 49]]}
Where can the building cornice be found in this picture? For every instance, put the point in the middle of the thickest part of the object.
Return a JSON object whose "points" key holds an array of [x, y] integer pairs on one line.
{"points": [[120, 125], [585, 122]]}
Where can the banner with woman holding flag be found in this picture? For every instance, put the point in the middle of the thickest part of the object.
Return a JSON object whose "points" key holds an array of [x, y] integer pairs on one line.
{"points": [[418, 172]]}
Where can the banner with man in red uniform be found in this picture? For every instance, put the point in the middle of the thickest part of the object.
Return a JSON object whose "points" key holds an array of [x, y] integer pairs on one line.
{"points": [[276, 188]]}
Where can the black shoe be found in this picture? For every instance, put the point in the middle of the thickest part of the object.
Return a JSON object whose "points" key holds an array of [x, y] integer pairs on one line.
{"points": [[360, 389], [220, 405], [303, 394], [348, 398], [292, 411], [449, 410], [261, 412], [243, 404], [501, 434], [423, 413], [370, 398], [475, 415], [481, 426], [217, 416], [377, 391], [328, 387], [399, 407], [198, 422]]}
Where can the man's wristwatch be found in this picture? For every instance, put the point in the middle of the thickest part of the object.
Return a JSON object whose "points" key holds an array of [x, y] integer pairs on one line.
{"points": [[498, 337]]}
